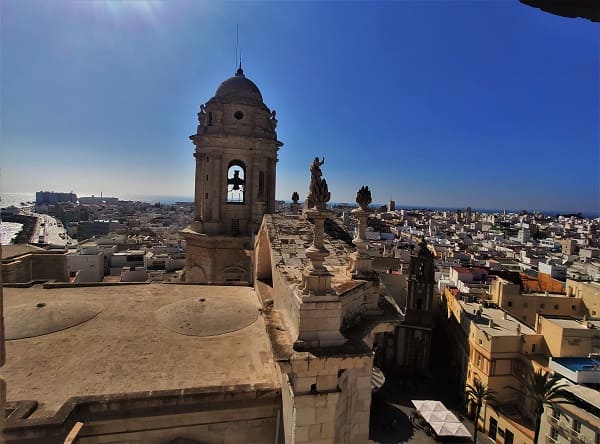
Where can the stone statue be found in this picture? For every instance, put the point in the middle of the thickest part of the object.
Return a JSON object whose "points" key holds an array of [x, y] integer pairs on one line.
{"points": [[295, 197], [315, 169], [318, 194], [273, 120], [202, 116], [363, 197]]}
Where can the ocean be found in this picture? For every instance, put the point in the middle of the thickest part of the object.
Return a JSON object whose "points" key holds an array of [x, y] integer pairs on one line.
{"points": [[9, 230], [8, 199]]}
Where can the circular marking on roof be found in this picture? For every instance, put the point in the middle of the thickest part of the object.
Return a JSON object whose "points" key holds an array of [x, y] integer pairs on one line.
{"points": [[44, 317], [208, 315]]}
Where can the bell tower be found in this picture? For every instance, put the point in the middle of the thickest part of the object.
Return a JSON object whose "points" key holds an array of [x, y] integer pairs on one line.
{"points": [[236, 155], [414, 335]]}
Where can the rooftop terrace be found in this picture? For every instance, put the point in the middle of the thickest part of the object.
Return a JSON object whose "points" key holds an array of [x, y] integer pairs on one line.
{"points": [[145, 337]]}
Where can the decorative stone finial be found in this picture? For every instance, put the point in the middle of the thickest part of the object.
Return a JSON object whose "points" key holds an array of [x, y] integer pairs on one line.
{"points": [[318, 194], [360, 262], [363, 197], [295, 197]]}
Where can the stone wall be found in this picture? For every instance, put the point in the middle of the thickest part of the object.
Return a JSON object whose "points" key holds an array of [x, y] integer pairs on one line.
{"points": [[36, 266], [362, 299], [332, 396], [231, 415], [216, 259]]}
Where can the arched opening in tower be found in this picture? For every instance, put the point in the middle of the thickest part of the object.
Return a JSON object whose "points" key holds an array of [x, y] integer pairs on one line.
{"points": [[236, 182]]}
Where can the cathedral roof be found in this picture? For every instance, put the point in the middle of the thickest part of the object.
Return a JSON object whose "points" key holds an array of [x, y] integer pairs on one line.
{"points": [[239, 89]]}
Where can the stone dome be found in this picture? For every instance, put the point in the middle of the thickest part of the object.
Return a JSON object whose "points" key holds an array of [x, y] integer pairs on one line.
{"points": [[36, 319], [239, 89], [208, 315]]}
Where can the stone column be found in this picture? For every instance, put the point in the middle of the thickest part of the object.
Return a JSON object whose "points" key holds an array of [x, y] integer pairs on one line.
{"points": [[219, 181], [360, 262], [270, 184], [200, 186]]}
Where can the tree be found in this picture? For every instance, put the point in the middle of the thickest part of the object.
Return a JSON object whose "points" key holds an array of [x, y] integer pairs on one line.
{"points": [[479, 394], [542, 389]]}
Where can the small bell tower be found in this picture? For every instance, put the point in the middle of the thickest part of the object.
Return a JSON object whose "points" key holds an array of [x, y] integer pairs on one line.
{"points": [[236, 156]]}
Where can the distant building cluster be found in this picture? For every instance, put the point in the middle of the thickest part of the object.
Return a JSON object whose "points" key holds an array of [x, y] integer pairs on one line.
{"points": [[52, 197]]}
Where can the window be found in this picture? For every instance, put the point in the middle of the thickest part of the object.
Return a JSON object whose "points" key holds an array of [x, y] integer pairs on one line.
{"points": [[555, 413], [235, 226], [556, 306], [532, 348], [236, 182], [419, 304], [542, 305], [576, 426], [508, 437], [510, 303], [554, 433], [238, 115], [573, 307]]}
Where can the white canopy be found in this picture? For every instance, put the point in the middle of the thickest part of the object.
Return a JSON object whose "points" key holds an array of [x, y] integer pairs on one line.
{"points": [[446, 416], [429, 406], [449, 429], [441, 420]]}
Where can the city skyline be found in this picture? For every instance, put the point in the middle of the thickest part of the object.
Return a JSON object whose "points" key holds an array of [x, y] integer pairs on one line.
{"points": [[431, 104]]}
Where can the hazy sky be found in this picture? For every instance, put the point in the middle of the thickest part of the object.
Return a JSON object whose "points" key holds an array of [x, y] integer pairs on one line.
{"points": [[449, 103]]}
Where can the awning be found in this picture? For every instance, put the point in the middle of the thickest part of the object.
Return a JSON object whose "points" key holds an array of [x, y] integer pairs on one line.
{"points": [[440, 419], [429, 406], [449, 429], [446, 416]]}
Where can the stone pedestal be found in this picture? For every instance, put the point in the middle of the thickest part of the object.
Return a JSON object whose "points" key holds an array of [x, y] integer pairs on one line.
{"points": [[321, 309], [361, 264], [317, 279]]}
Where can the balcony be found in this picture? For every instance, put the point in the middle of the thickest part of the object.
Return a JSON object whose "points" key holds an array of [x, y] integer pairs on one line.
{"points": [[552, 420], [550, 440]]}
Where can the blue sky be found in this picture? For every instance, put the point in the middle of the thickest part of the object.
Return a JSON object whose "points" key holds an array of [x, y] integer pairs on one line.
{"points": [[449, 103]]}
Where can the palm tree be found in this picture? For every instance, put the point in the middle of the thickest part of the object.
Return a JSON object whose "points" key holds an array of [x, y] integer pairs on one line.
{"points": [[542, 389], [479, 394]]}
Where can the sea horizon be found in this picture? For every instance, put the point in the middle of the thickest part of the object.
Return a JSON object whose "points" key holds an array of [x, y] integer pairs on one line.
{"points": [[16, 198]]}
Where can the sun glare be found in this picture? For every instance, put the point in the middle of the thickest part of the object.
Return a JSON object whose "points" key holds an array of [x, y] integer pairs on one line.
{"points": [[126, 12]]}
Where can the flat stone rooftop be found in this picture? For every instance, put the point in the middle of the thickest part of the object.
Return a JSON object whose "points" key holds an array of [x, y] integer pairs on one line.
{"points": [[145, 338], [504, 323], [290, 237], [570, 322]]}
